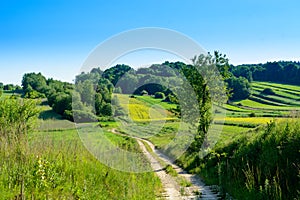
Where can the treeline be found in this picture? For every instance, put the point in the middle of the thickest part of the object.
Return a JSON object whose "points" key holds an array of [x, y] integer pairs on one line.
{"points": [[159, 78], [90, 98], [91, 93], [87, 100], [282, 72], [10, 87]]}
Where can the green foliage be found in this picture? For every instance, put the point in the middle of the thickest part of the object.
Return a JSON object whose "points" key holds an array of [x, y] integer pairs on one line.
{"points": [[80, 116], [169, 169], [62, 102], [9, 87], [282, 71], [268, 91], [128, 82], [114, 74], [118, 90], [159, 95], [35, 81], [106, 109], [86, 91], [261, 165], [33, 94], [252, 114], [240, 88], [144, 92], [203, 89], [92, 76], [56, 165], [17, 117], [1, 92]]}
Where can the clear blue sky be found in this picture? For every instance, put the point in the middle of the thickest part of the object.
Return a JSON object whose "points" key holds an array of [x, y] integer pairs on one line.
{"points": [[55, 36]]}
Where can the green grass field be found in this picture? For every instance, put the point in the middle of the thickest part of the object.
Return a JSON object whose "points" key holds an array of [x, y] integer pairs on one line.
{"points": [[286, 97], [58, 166]]}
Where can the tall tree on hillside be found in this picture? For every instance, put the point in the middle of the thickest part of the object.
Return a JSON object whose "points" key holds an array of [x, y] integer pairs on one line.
{"points": [[208, 87]]}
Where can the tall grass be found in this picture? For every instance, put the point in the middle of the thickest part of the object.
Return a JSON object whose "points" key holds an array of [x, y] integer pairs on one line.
{"points": [[263, 164], [55, 165]]}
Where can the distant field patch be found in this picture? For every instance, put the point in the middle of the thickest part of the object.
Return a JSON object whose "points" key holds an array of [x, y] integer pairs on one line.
{"points": [[143, 111]]}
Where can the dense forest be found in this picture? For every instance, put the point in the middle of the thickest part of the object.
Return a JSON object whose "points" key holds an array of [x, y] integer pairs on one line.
{"points": [[280, 72]]}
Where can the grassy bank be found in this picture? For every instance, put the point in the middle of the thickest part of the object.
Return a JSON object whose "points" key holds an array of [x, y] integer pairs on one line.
{"points": [[56, 165], [260, 164]]}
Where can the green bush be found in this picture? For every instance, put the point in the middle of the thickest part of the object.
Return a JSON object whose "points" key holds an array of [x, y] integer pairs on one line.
{"points": [[169, 169], [252, 114], [159, 95], [144, 92], [34, 95], [80, 116], [268, 91], [17, 117]]}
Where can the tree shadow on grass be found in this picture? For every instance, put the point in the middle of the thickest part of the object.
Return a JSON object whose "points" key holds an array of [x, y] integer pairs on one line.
{"points": [[49, 114]]}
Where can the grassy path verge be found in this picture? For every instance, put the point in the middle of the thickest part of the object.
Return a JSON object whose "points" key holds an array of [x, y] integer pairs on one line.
{"points": [[184, 185]]}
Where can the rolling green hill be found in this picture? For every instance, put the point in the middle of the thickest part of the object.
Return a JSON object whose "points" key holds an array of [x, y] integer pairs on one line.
{"points": [[286, 99]]}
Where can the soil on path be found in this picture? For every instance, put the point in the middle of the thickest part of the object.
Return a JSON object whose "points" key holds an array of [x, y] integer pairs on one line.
{"points": [[173, 190]]}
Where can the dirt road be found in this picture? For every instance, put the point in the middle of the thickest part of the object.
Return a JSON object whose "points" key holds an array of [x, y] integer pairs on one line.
{"points": [[173, 190]]}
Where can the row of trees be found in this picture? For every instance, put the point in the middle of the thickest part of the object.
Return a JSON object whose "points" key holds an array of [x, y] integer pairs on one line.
{"points": [[10, 87], [90, 96], [87, 100], [282, 71]]}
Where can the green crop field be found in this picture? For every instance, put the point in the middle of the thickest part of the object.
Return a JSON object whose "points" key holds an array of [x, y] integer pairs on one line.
{"points": [[279, 86], [286, 97], [143, 109]]}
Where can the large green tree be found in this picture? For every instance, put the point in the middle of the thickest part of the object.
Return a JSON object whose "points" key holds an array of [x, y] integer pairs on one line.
{"points": [[35, 80], [240, 88], [206, 77]]}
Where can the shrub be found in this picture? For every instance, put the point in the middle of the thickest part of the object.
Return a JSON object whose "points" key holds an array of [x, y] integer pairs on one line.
{"points": [[118, 90], [144, 92], [159, 95], [169, 169], [241, 88], [17, 117], [252, 114], [80, 116], [268, 91], [33, 94]]}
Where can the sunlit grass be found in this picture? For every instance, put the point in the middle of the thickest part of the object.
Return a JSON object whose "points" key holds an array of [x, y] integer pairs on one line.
{"points": [[294, 88], [56, 165], [249, 120], [141, 111], [253, 104]]}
